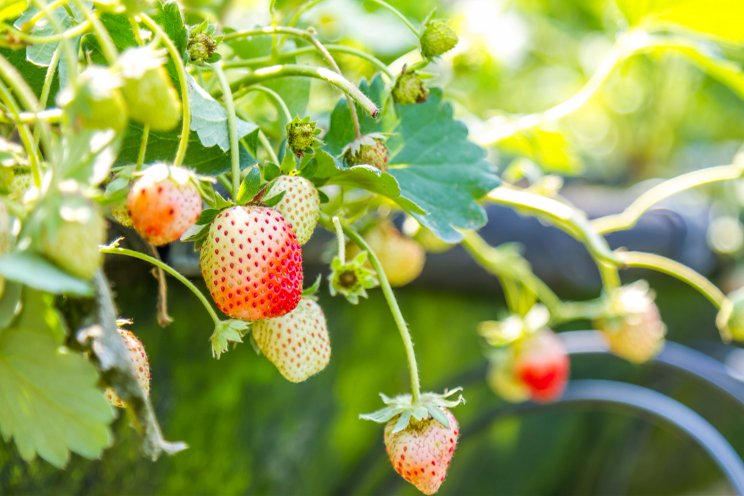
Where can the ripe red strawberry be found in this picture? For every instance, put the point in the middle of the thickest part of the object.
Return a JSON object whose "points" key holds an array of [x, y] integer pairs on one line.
{"points": [[635, 330], [300, 205], [252, 263], [141, 366], [164, 203], [296, 343], [421, 452], [542, 365]]}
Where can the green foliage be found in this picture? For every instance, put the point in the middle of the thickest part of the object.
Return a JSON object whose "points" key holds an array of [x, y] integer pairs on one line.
{"points": [[36, 272], [429, 153], [51, 403]]}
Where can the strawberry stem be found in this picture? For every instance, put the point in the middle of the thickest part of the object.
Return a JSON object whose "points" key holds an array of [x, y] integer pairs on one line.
{"points": [[183, 142], [115, 250], [232, 127], [392, 302], [340, 238], [630, 216]]}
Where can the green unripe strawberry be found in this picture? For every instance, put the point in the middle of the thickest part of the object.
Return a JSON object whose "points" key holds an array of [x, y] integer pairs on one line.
{"points": [[149, 93], [71, 230], [302, 136], [367, 150], [201, 46], [95, 101], [410, 88], [730, 318], [21, 183], [438, 38]]}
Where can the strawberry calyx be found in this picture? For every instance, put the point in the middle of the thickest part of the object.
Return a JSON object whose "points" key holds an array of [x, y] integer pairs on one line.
{"points": [[353, 278], [226, 332], [429, 405], [626, 305]]}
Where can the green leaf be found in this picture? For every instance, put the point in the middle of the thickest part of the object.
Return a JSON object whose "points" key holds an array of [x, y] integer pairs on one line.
{"points": [[88, 155], [34, 271], [41, 54], [9, 303], [49, 400], [713, 63], [162, 146], [250, 185], [551, 149], [168, 16], [209, 118], [10, 9], [441, 174], [720, 19]]}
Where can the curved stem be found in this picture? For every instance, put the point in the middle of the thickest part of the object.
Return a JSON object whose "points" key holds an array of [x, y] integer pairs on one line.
{"points": [[267, 146], [630, 216], [489, 258], [290, 70], [315, 42], [51, 116], [400, 16], [183, 142], [278, 100], [113, 250], [559, 214], [143, 147], [232, 127], [25, 135], [33, 39], [392, 304], [108, 48], [40, 14], [674, 269], [340, 239], [333, 48]]}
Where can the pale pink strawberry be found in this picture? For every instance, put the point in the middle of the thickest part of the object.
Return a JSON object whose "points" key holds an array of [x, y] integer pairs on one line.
{"points": [[541, 364], [252, 263], [141, 366], [300, 205], [421, 452], [635, 330], [164, 203], [296, 343]]}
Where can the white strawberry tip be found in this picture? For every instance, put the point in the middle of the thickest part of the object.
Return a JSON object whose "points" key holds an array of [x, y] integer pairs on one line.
{"points": [[429, 405]]}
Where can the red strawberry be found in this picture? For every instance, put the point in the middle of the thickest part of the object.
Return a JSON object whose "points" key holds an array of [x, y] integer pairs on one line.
{"points": [[141, 366], [296, 343], [300, 205], [252, 263], [164, 203], [542, 365], [421, 452]]}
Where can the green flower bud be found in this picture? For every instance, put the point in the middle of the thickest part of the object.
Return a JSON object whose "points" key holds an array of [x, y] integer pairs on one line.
{"points": [[367, 150], [438, 38]]}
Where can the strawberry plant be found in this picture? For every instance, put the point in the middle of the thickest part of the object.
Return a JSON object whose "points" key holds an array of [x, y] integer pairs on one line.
{"points": [[146, 113]]}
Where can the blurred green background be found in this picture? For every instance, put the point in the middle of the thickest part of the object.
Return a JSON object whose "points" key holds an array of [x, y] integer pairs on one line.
{"points": [[250, 432]]}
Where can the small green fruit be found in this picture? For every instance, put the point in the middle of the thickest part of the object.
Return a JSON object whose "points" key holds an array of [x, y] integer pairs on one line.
{"points": [[409, 88], [367, 150], [438, 38]]}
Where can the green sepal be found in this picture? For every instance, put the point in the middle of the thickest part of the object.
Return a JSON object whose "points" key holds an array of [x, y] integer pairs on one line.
{"points": [[274, 200], [311, 290], [250, 186], [430, 405], [352, 279], [226, 332]]}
